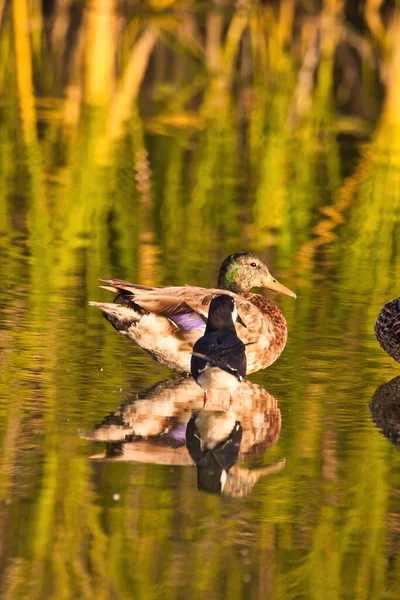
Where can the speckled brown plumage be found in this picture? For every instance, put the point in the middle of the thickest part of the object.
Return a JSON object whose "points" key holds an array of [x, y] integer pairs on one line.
{"points": [[387, 328], [269, 320]]}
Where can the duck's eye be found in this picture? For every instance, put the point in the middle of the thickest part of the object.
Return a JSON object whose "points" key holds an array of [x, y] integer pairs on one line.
{"points": [[253, 264]]}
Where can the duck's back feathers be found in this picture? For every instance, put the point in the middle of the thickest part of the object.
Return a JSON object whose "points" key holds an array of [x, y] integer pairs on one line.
{"points": [[169, 300], [387, 328], [119, 285]]}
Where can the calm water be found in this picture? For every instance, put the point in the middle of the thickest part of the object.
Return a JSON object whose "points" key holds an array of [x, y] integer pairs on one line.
{"points": [[94, 502]]}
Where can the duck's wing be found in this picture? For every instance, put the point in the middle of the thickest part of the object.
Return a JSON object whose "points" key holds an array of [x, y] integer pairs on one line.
{"points": [[117, 285], [186, 306], [177, 300]]}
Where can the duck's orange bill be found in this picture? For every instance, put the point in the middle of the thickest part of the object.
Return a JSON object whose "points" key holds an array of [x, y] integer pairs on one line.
{"points": [[273, 284]]}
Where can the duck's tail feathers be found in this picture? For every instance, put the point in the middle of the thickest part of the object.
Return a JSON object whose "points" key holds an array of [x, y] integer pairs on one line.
{"points": [[121, 317], [118, 285]]}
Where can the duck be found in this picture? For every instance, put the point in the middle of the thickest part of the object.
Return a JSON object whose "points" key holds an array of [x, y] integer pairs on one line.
{"points": [[219, 356], [166, 322], [387, 328]]}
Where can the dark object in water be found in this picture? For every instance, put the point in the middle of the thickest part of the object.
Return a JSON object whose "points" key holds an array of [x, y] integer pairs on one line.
{"points": [[385, 410]]}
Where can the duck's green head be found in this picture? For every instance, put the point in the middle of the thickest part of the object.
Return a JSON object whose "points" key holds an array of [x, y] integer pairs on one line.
{"points": [[242, 271]]}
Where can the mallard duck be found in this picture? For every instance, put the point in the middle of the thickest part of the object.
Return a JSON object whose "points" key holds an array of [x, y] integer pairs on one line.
{"points": [[166, 322], [387, 328], [219, 357]]}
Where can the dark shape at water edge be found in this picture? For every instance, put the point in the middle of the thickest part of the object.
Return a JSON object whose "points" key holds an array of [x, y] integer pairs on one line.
{"points": [[387, 328], [385, 410]]}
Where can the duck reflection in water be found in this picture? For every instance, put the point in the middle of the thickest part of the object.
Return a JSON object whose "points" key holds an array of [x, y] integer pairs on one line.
{"points": [[385, 410], [151, 428]]}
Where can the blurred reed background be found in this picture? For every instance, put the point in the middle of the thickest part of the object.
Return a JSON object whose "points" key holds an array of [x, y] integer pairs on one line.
{"points": [[148, 140], [233, 101]]}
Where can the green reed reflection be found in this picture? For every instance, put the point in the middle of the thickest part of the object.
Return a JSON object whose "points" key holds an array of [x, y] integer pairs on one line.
{"points": [[147, 143]]}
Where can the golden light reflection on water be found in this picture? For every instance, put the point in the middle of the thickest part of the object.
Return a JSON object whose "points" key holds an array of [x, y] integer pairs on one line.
{"points": [[148, 146]]}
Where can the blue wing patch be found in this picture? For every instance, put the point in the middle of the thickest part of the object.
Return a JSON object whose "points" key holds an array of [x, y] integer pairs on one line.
{"points": [[188, 321]]}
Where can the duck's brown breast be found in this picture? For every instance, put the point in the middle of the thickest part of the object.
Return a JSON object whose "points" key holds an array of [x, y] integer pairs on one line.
{"points": [[266, 331]]}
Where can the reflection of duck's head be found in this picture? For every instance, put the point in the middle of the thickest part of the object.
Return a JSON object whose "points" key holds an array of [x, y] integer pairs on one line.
{"points": [[385, 410], [387, 328], [213, 442], [241, 481]]}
